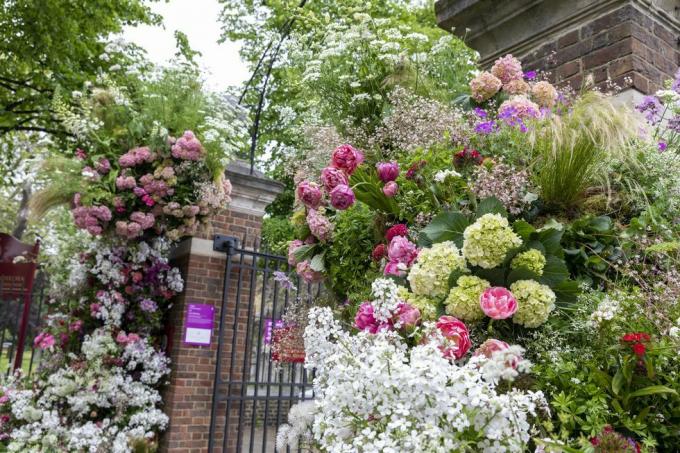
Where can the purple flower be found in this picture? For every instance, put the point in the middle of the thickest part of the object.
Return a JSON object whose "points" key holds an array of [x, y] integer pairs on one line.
{"points": [[662, 146], [480, 112], [676, 82], [148, 305], [486, 127], [387, 171], [390, 189], [530, 75], [674, 124], [651, 108], [342, 197], [283, 279]]}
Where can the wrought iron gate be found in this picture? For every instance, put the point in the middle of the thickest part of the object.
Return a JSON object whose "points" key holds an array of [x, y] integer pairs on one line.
{"points": [[252, 393]]}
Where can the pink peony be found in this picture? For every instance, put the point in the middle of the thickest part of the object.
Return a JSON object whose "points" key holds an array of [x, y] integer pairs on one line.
{"points": [[484, 86], [401, 250], [507, 69], [342, 197], [457, 337], [319, 225], [304, 270], [490, 346], [346, 157], [187, 147], [44, 340], [387, 171], [407, 315], [332, 177], [390, 189], [309, 194], [498, 303], [396, 230], [292, 247], [395, 268], [364, 319]]}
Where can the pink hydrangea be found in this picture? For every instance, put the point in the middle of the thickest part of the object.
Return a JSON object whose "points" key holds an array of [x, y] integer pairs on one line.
{"points": [[124, 339], [309, 194], [498, 303], [347, 158], [342, 197], [154, 186], [187, 147], [44, 340], [332, 177], [129, 230], [484, 86], [136, 156], [507, 68], [292, 247], [145, 221], [517, 86], [103, 166], [518, 108], [456, 336], [319, 225], [387, 171], [91, 218], [304, 270], [390, 189], [545, 94], [125, 182]]}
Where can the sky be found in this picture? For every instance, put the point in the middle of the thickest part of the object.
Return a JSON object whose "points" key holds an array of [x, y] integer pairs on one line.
{"points": [[198, 19]]}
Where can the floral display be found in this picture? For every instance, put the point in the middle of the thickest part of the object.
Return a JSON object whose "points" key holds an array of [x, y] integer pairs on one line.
{"points": [[488, 241], [429, 275]]}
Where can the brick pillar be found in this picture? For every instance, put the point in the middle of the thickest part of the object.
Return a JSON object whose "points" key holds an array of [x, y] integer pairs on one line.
{"points": [[188, 397], [616, 39]]}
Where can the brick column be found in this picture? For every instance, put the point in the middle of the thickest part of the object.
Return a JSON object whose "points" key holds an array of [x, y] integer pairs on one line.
{"points": [[188, 397], [616, 39]]}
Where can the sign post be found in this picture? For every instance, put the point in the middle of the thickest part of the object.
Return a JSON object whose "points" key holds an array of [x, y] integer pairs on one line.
{"points": [[18, 263]]}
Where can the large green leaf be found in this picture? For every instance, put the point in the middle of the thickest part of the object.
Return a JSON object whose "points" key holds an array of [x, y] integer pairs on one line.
{"points": [[305, 251], [554, 272], [521, 273], [368, 189], [652, 390], [447, 226], [550, 239], [617, 382], [566, 292], [495, 276], [490, 205], [523, 228], [601, 224], [454, 276], [317, 264]]}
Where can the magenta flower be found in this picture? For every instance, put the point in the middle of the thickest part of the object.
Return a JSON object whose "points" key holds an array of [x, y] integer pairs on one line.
{"points": [[498, 303], [390, 189], [342, 197], [456, 336], [332, 177], [407, 315], [401, 250], [346, 157], [309, 194], [364, 319], [387, 171], [44, 340], [80, 154]]}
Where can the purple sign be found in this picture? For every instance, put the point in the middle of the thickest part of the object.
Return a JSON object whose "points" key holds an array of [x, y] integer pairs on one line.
{"points": [[199, 322], [269, 326]]}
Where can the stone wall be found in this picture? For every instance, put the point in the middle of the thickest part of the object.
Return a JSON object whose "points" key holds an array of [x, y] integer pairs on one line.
{"points": [[621, 40]]}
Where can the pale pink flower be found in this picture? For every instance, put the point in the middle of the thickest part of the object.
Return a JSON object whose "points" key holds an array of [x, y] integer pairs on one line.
{"points": [[545, 94], [292, 247], [484, 86], [407, 315], [319, 225], [507, 68], [517, 86], [390, 189], [331, 177], [491, 346], [309, 275], [498, 303]]}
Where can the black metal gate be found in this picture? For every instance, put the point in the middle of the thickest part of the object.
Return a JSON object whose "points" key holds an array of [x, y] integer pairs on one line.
{"points": [[252, 393]]}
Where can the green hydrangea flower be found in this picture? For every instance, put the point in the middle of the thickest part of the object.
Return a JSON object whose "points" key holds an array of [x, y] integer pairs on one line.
{"points": [[488, 240], [534, 302], [531, 259], [463, 299], [430, 275], [426, 305]]}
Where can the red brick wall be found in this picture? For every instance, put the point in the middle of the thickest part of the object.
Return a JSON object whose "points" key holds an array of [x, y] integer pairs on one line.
{"points": [[625, 43], [188, 397]]}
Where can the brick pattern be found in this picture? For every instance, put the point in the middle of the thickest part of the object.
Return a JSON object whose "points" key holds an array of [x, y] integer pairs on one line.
{"points": [[626, 43]]}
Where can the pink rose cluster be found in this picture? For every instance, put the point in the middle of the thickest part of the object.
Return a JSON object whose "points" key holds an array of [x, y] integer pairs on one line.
{"points": [[388, 172], [506, 74], [334, 180], [405, 318], [401, 254], [187, 147], [91, 218], [136, 156]]}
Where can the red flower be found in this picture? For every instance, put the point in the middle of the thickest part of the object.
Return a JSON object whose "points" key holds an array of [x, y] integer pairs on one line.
{"points": [[397, 230], [639, 349], [414, 168], [379, 252], [635, 337], [467, 156]]}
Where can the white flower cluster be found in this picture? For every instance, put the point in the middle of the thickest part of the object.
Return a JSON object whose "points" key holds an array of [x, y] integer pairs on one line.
{"points": [[442, 175], [373, 394], [605, 311], [385, 300]]}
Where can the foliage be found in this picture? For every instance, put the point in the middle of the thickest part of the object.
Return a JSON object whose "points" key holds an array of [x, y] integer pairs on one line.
{"points": [[276, 233]]}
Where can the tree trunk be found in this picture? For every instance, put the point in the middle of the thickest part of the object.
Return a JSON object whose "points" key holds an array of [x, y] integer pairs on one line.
{"points": [[22, 214]]}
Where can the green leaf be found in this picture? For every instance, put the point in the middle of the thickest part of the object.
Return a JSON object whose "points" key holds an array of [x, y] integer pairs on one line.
{"points": [[454, 276], [617, 382], [652, 390], [550, 239], [368, 189], [554, 272], [566, 292], [490, 205], [601, 224], [303, 252], [520, 273], [523, 228], [495, 276], [447, 226], [317, 264]]}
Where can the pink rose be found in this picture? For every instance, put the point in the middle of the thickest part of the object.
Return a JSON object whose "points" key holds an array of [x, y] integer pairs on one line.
{"points": [[292, 247], [342, 197], [4, 399], [304, 270], [401, 250], [390, 189], [491, 346], [498, 303], [346, 157], [387, 171], [332, 177], [309, 194], [395, 268], [457, 337], [364, 319], [407, 315]]}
